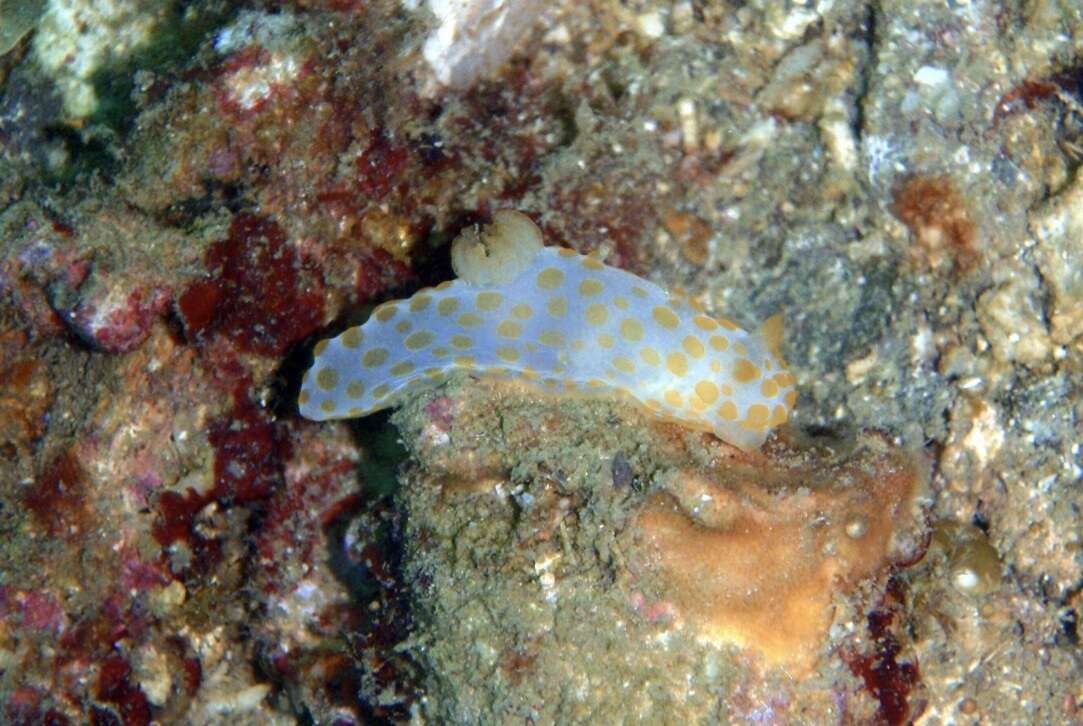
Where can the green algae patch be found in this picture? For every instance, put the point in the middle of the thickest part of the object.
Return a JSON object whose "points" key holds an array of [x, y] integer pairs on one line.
{"points": [[175, 40], [17, 18]]}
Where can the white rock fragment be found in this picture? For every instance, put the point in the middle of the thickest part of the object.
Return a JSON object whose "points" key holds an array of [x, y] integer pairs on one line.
{"points": [[937, 91], [838, 135], [689, 122], [276, 34], [252, 27], [244, 700], [794, 24], [986, 436], [651, 24], [153, 674], [474, 38], [883, 159], [76, 39]]}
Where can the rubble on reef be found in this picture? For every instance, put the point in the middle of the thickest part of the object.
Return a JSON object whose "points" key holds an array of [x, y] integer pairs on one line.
{"points": [[192, 194], [539, 571]]}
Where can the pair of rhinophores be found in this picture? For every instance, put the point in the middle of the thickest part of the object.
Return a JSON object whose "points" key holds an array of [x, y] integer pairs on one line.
{"points": [[565, 323]]}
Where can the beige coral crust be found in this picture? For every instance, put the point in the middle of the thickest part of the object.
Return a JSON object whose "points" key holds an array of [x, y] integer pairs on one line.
{"points": [[752, 552]]}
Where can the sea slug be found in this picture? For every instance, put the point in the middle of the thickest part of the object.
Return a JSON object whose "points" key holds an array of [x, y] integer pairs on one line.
{"points": [[562, 322]]}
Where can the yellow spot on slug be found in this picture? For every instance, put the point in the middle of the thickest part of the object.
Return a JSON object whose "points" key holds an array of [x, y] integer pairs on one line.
{"points": [[665, 317], [462, 342], [650, 356], [419, 303], [707, 392], [321, 347], [745, 371], [590, 288], [356, 389], [550, 278], [403, 326], [522, 311], [374, 358], [557, 306], [606, 341], [673, 398], [447, 306], [631, 330], [402, 368], [592, 263], [757, 417], [704, 323], [489, 301], [719, 343], [352, 338], [597, 314], [552, 338], [728, 411], [385, 312], [677, 364], [509, 329], [469, 320], [778, 416], [624, 365], [381, 391], [327, 406], [507, 354], [769, 389], [692, 346], [785, 379]]}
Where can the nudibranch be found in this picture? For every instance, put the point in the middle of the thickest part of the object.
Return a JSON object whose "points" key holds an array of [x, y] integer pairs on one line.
{"points": [[562, 322]]}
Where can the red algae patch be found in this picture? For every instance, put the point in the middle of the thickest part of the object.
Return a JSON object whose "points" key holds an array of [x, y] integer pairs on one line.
{"points": [[752, 550], [259, 294], [57, 500], [889, 679], [940, 221], [25, 396]]}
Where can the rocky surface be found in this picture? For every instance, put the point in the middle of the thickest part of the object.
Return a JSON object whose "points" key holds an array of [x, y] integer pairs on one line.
{"points": [[190, 200]]}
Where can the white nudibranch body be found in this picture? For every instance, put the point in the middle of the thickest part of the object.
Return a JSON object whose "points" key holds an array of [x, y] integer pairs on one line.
{"points": [[565, 323]]}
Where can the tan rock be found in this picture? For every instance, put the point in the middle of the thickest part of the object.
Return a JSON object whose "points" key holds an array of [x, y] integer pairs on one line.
{"points": [[1058, 227]]}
